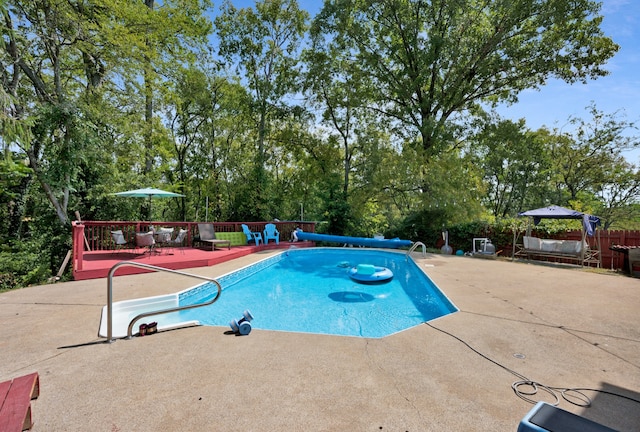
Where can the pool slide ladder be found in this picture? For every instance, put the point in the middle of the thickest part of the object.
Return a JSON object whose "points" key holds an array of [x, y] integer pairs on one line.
{"points": [[150, 313], [414, 247]]}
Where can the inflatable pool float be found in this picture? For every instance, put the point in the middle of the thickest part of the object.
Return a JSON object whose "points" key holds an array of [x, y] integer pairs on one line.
{"points": [[370, 273]]}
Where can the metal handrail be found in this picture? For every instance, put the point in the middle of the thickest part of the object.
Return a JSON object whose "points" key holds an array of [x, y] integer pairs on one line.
{"points": [[159, 312], [413, 247]]}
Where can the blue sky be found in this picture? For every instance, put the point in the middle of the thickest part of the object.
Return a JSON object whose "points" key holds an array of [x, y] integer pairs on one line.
{"points": [[553, 104]]}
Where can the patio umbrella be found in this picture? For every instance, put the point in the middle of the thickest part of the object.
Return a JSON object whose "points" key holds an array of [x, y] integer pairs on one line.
{"points": [[148, 193]]}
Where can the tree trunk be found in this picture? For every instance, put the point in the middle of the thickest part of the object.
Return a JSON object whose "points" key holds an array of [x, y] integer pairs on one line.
{"points": [[260, 169], [59, 207], [148, 106], [17, 208]]}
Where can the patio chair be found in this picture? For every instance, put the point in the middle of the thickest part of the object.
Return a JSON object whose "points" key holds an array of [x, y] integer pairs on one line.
{"points": [[179, 240], [255, 237], [120, 241], [271, 232], [208, 235], [162, 236], [146, 241]]}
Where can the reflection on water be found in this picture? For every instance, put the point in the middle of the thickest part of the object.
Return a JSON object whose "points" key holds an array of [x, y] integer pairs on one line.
{"points": [[351, 297]]}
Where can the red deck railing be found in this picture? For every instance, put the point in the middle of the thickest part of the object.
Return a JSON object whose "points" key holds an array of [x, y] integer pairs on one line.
{"points": [[96, 235]]}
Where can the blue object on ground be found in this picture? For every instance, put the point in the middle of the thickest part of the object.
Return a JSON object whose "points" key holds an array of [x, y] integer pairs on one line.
{"points": [[548, 418], [243, 325]]}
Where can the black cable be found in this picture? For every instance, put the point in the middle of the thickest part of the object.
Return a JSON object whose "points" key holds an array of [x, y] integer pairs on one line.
{"points": [[579, 398]]}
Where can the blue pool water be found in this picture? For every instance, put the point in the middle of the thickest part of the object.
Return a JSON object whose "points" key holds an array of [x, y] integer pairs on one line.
{"points": [[309, 290]]}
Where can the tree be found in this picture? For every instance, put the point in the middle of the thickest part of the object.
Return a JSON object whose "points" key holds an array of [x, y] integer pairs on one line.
{"points": [[585, 156], [589, 165], [620, 195], [190, 107], [15, 178], [64, 63], [165, 46], [338, 92], [430, 60], [39, 73], [333, 85], [207, 123], [264, 45], [516, 165]]}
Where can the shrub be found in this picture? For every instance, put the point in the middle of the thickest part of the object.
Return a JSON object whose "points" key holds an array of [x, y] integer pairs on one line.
{"points": [[22, 265]]}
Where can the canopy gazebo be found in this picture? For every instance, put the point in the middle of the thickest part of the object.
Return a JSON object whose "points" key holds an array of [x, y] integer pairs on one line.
{"points": [[566, 249]]}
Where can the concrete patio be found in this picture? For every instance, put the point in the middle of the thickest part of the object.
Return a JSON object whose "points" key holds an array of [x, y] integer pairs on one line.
{"points": [[562, 327]]}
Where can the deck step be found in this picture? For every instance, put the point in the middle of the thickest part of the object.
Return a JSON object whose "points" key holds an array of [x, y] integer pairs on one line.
{"points": [[15, 402]]}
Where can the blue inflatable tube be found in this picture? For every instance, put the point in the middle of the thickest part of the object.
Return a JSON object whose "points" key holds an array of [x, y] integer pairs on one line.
{"points": [[356, 241], [370, 274]]}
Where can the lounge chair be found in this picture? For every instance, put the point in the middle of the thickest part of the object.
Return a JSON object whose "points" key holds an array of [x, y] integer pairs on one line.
{"points": [[255, 237], [271, 232], [208, 235]]}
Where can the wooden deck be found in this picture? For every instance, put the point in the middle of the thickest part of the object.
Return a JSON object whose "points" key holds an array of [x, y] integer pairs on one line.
{"points": [[15, 402], [97, 264]]}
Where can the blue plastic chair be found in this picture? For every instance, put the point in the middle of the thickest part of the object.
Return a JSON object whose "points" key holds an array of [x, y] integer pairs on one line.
{"points": [[271, 232], [252, 236]]}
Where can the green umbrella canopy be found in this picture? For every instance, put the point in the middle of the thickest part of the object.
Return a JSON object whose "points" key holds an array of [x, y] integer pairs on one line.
{"points": [[148, 193]]}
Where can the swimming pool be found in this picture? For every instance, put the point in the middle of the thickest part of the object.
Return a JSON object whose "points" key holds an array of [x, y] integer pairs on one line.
{"points": [[310, 291]]}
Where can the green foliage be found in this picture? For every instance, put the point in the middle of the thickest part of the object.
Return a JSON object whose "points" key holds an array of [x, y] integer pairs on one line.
{"points": [[371, 220], [590, 169], [461, 235], [264, 43], [424, 225], [501, 231], [583, 169], [430, 60], [22, 264], [126, 94], [11, 175], [338, 217], [516, 165]]}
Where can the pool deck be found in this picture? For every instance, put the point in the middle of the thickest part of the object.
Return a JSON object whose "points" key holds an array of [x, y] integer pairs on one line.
{"points": [[563, 327]]}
